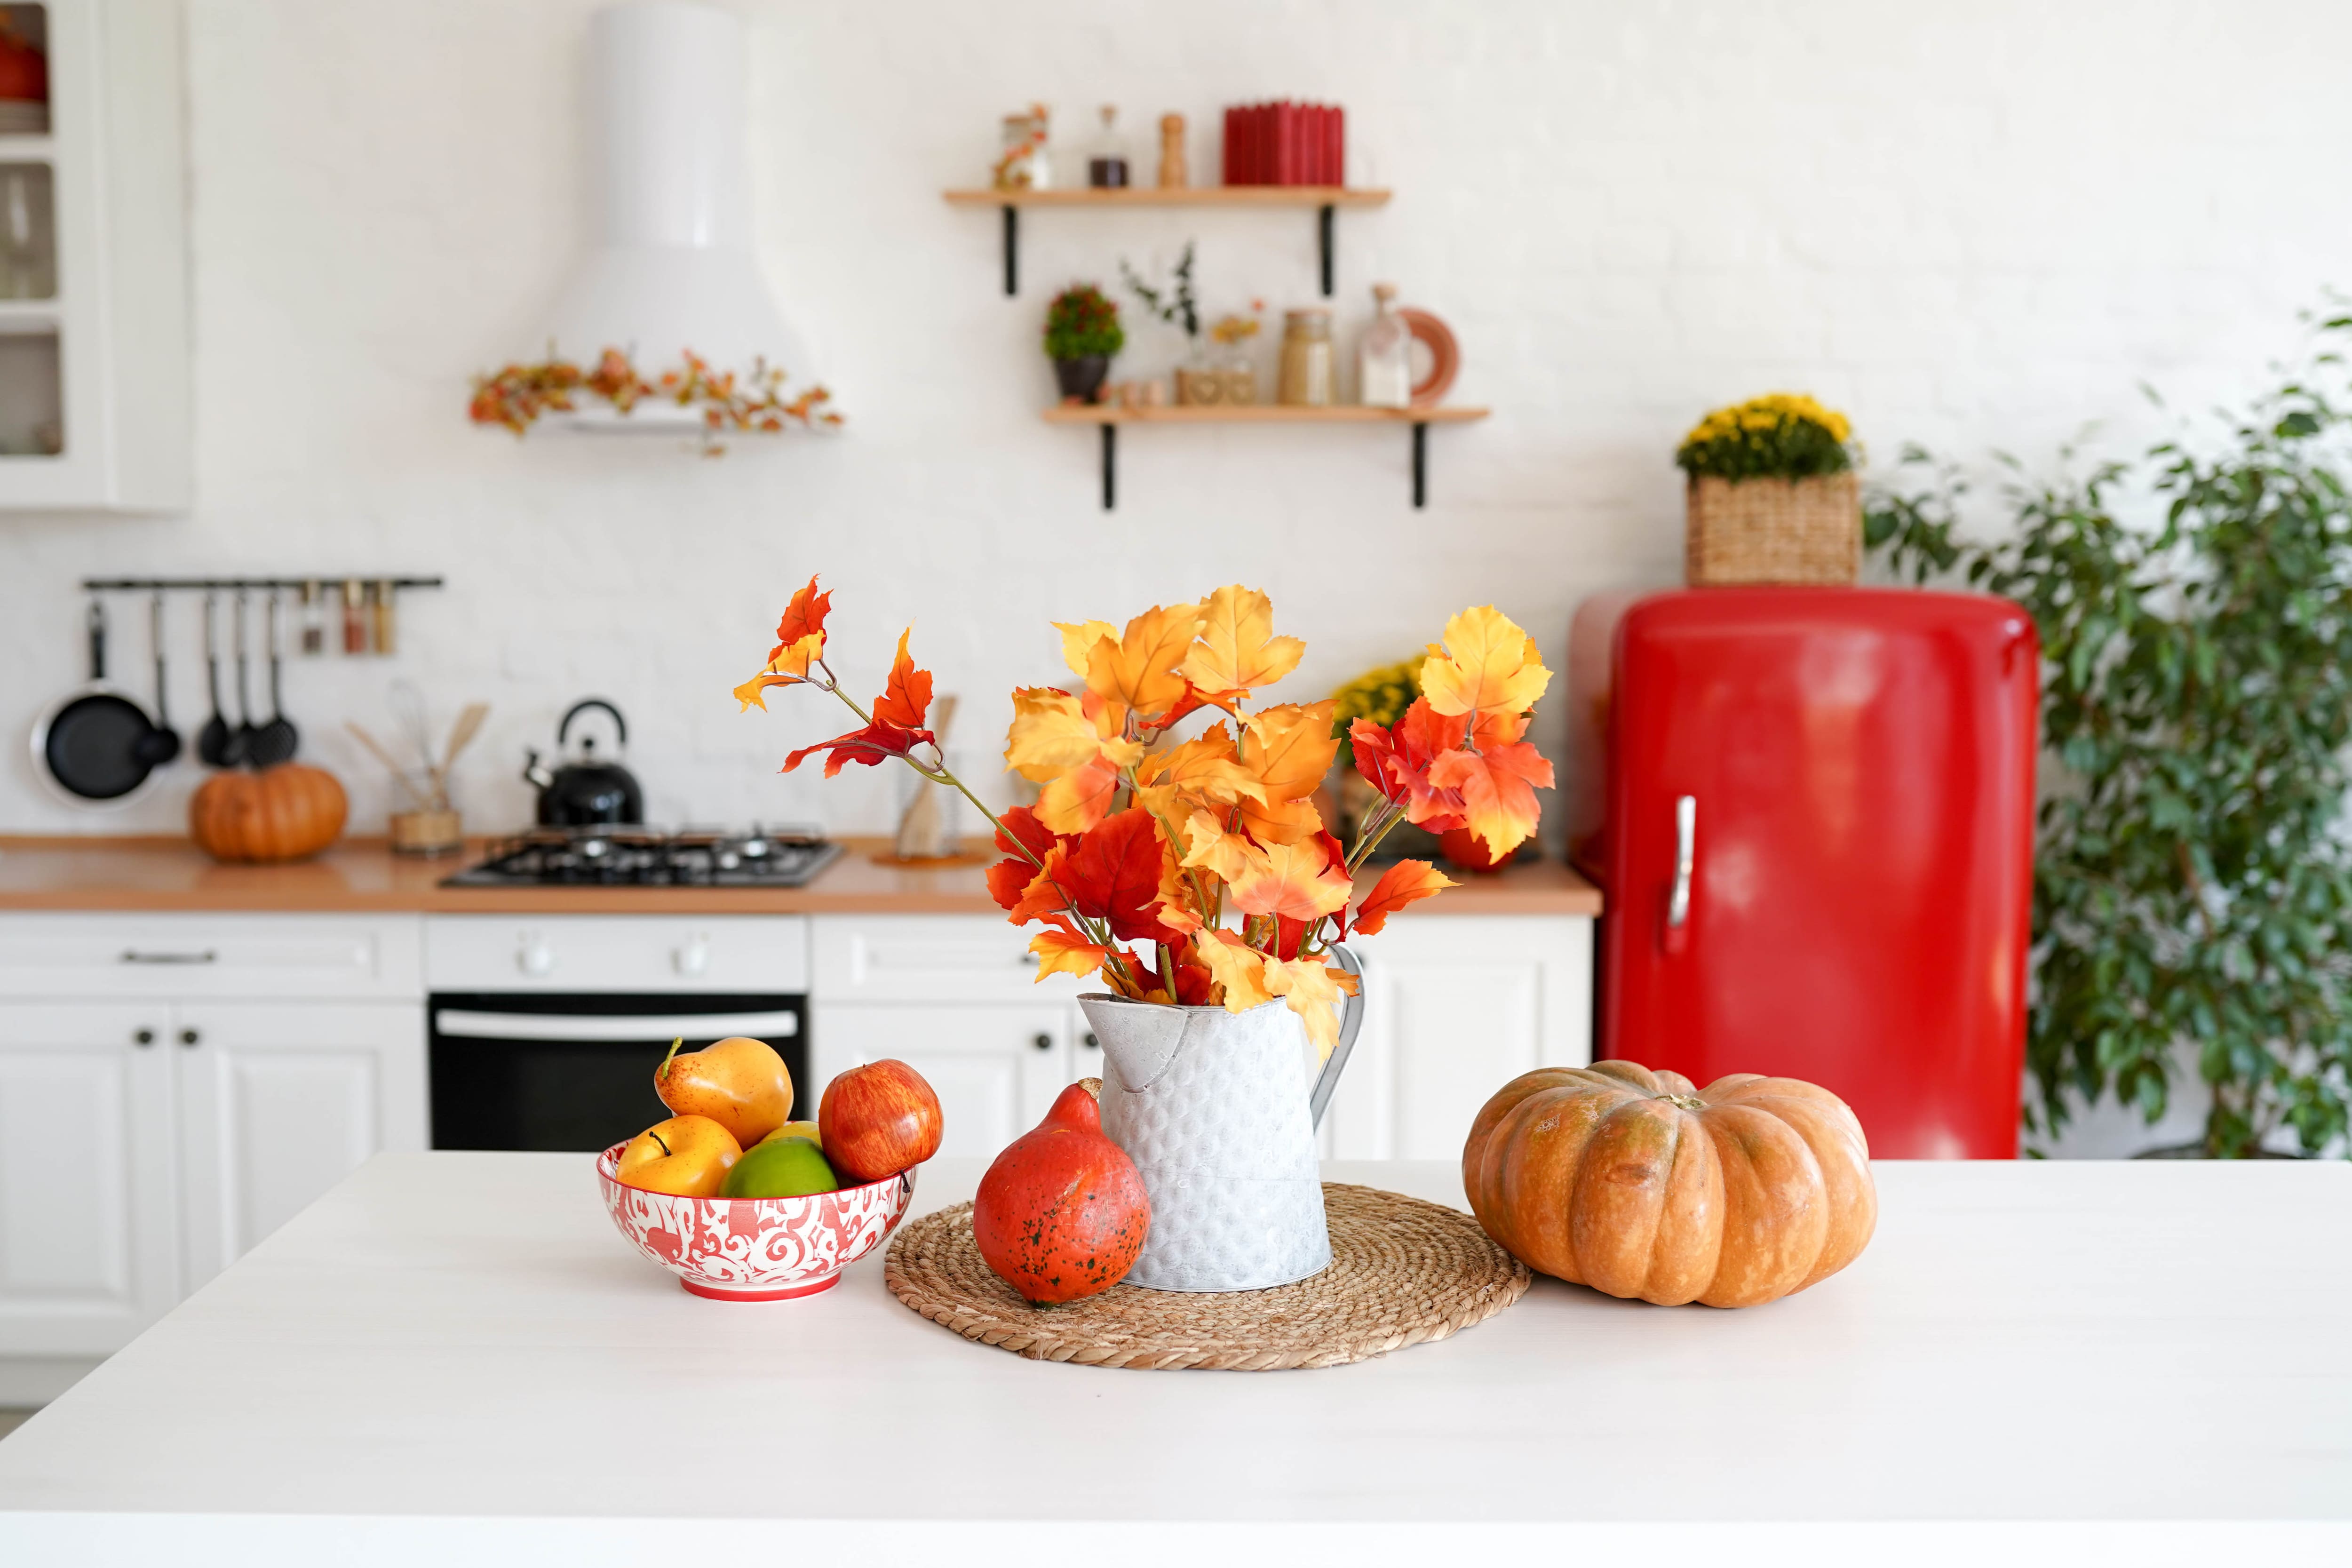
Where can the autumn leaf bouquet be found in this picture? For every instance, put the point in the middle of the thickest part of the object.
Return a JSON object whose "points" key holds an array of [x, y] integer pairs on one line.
{"points": [[1196, 871]]}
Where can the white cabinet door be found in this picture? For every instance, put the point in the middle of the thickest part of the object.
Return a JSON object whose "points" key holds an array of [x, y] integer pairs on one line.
{"points": [[1456, 1006], [278, 1102], [996, 1069], [87, 1251]]}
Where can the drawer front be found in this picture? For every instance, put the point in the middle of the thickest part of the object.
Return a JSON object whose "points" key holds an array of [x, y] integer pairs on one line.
{"points": [[616, 952], [269, 956], [930, 958]]}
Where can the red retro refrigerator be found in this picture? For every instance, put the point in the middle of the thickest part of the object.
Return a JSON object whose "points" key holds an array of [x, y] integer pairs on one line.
{"points": [[1816, 845]]}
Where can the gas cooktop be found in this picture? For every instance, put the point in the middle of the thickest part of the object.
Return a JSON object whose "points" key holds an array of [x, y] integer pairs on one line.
{"points": [[650, 858]]}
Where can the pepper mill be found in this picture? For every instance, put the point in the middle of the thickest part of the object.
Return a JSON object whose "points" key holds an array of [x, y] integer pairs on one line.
{"points": [[1173, 175]]}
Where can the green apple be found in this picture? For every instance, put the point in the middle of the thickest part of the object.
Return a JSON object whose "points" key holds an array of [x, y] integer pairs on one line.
{"points": [[779, 1168]]}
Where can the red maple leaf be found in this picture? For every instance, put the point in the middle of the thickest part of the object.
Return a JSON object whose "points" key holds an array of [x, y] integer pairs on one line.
{"points": [[1116, 875], [1396, 762], [895, 729]]}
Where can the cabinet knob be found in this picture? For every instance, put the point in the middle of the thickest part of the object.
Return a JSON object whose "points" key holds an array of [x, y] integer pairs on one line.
{"points": [[1088, 1040], [534, 958], [691, 960], [144, 1037], [1043, 1042], [1028, 961], [189, 1037]]}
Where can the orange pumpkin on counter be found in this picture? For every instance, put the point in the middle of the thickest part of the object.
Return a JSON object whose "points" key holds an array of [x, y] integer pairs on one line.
{"points": [[1637, 1184], [279, 814]]}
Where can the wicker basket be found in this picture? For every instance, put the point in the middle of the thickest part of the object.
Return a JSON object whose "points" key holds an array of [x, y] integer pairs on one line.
{"points": [[1773, 530]]}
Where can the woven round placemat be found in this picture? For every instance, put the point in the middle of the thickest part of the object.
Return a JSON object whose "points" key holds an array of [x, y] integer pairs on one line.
{"points": [[1402, 1271]]}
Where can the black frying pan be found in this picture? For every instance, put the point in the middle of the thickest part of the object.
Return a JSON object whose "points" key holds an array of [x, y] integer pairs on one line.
{"points": [[95, 745]]}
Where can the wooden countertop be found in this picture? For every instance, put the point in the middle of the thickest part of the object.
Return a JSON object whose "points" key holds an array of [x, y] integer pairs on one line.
{"points": [[451, 1354], [362, 875]]}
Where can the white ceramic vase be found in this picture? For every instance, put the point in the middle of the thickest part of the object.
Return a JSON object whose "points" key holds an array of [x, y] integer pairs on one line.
{"points": [[1218, 1112]]}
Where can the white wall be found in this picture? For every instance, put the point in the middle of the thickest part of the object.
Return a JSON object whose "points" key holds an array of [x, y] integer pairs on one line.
{"points": [[1976, 226]]}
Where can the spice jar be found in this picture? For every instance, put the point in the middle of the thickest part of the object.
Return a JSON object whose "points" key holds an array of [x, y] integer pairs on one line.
{"points": [[1306, 369]]}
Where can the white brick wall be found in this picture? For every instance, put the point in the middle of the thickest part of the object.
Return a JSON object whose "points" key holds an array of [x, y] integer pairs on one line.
{"points": [[1978, 225]]}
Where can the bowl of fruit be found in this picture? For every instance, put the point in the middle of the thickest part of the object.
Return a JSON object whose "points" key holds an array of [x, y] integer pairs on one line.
{"points": [[743, 1203]]}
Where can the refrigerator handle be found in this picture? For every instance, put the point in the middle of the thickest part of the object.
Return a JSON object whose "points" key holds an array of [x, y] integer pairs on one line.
{"points": [[1677, 933]]}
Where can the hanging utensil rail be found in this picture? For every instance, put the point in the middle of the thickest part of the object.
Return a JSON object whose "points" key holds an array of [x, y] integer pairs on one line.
{"points": [[214, 585]]}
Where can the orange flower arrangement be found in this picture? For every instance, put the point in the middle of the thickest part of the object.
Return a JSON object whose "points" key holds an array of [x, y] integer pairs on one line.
{"points": [[1138, 838]]}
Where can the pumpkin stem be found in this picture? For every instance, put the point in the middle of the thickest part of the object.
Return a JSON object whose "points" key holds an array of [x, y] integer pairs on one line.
{"points": [[1687, 1101]]}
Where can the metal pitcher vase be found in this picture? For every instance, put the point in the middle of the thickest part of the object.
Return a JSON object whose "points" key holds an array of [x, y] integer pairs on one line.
{"points": [[1218, 1110]]}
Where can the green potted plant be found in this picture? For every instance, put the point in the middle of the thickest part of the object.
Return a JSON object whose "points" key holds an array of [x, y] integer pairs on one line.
{"points": [[2192, 888], [1082, 332]]}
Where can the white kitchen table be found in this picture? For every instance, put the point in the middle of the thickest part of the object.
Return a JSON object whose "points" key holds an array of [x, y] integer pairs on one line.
{"points": [[453, 1358]]}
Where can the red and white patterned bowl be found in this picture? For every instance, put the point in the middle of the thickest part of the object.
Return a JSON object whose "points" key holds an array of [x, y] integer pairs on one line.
{"points": [[755, 1249]]}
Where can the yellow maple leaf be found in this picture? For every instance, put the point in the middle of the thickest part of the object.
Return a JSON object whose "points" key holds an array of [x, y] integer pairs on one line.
{"points": [[1238, 650], [1487, 666], [1141, 668], [1297, 880], [1079, 639], [1287, 750], [1236, 966], [1311, 989], [1224, 856], [1050, 735]]}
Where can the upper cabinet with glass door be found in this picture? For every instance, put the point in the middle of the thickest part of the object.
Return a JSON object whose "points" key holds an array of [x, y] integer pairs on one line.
{"points": [[94, 379]]}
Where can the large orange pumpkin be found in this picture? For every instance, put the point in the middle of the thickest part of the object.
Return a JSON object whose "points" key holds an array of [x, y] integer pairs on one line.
{"points": [[1634, 1183], [279, 814]]}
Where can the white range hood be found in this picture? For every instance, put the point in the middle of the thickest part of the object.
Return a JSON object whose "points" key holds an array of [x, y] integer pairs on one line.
{"points": [[673, 269]]}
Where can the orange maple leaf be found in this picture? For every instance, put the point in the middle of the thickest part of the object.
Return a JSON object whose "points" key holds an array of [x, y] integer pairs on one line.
{"points": [[1200, 772], [1287, 750], [1296, 880], [800, 642], [1406, 882], [908, 695], [1487, 666], [1061, 951], [1237, 651], [1139, 669], [1499, 792], [1079, 799]]}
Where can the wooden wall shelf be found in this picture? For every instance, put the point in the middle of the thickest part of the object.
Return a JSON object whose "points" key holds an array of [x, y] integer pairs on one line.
{"points": [[1325, 199], [1108, 417]]}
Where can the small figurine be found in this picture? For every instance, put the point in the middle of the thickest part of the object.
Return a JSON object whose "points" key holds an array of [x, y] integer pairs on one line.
{"points": [[1173, 175]]}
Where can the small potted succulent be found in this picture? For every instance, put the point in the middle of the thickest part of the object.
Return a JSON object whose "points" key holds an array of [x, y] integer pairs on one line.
{"points": [[1082, 332]]}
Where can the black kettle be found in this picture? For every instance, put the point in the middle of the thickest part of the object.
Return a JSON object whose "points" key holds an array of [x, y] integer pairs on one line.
{"points": [[583, 790]]}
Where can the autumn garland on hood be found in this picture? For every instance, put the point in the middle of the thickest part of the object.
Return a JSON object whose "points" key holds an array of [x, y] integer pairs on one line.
{"points": [[1138, 838]]}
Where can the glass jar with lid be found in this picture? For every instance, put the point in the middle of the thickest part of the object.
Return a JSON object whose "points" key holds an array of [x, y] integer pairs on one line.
{"points": [[1307, 368], [1107, 165]]}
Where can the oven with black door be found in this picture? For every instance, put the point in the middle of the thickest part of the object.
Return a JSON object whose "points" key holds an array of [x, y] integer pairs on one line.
{"points": [[544, 1032], [576, 1072]]}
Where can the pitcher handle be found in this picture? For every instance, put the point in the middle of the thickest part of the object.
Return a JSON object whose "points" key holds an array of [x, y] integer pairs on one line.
{"points": [[1352, 1018]]}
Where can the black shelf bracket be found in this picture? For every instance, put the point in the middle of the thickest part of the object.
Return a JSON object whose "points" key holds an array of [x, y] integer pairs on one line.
{"points": [[1326, 244], [1419, 465]]}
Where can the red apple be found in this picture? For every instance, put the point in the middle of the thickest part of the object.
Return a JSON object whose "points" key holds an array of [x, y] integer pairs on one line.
{"points": [[878, 1120]]}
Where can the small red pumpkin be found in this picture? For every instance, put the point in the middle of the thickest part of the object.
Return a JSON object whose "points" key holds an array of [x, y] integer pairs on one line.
{"points": [[279, 814], [1062, 1214]]}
